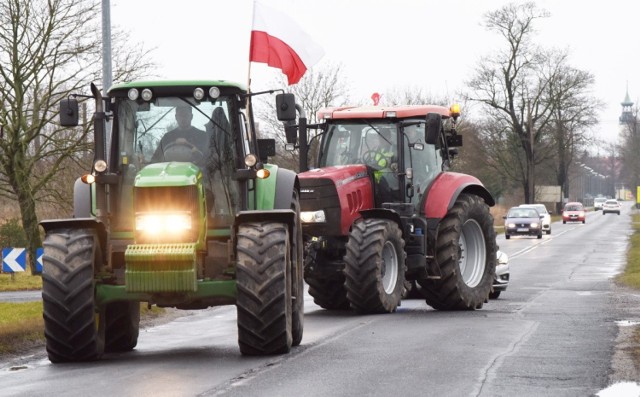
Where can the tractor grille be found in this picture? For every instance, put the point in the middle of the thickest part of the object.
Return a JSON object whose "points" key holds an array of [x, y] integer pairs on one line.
{"points": [[321, 194], [160, 268]]}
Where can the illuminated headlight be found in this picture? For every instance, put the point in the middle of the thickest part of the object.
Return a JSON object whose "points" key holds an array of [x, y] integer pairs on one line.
{"points": [[391, 114], [535, 225], [581, 214], [263, 173], [313, 216], [157, 223], [100, 166], [511, 225]]}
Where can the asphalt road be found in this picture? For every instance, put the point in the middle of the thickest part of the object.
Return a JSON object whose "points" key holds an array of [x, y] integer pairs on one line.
{"points": [[555, 331]]}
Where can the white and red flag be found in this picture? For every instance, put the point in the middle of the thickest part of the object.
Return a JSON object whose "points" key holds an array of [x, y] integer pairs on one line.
{"points": [[277, 40]]}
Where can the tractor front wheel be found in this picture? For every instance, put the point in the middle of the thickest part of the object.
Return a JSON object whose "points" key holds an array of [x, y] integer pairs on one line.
{"points": [[263, 278], [123, 326], [374, 266], [466, 255], [74, 328]]}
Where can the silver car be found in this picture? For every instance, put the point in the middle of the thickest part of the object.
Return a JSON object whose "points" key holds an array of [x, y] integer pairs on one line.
{"points": [[542, 210], [501, 281]]}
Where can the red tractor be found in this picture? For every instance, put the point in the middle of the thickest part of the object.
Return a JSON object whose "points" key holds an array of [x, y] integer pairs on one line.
{"points": [[380, 211]]}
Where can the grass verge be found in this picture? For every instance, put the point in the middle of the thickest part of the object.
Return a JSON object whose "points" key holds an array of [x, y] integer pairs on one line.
{"points": [[20, 281], [22, 325], [631, 276]]}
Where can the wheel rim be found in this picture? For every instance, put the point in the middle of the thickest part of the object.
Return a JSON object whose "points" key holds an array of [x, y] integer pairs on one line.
{"points": [[472, 253], [389, 267]]}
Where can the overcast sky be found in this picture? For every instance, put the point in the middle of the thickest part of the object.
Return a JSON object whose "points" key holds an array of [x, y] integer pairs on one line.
{"points": [[432, 45]]}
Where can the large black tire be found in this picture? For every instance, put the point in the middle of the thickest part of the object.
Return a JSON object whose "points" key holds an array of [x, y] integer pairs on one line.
{"points": [[466, 255], [264, 288], [374, 266], [123, 326], [297, 279], [74, 328], [329, 294]]}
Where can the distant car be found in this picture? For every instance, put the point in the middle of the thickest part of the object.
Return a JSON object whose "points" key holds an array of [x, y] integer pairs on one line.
{"points": [[598, 202], [501, 281], [611, 206], [573, 212], [542, 210], [523, 222]]}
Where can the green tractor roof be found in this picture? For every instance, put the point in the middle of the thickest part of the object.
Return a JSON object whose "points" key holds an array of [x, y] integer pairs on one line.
{"points": [[176, 83]]}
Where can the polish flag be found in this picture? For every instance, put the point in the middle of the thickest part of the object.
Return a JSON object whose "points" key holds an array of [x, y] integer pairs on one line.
{"points": [[278, 41]]}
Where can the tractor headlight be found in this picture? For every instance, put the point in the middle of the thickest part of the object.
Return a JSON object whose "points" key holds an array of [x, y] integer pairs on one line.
{"points": [[100, 166], [313, 216], [160, 223]]}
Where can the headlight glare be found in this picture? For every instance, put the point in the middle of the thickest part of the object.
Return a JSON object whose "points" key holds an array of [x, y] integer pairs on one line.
{"points": [[157, 223], [313, 216]]}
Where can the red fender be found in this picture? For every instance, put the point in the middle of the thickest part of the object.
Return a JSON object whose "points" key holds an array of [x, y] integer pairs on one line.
{"points": [[446, 188]]}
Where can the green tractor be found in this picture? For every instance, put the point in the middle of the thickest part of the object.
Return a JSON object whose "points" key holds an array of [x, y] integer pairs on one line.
{"points": [[179, 210]]}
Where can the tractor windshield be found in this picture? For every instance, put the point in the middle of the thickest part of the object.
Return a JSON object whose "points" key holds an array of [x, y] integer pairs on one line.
{"points": [[358, 143], [181, 129]]}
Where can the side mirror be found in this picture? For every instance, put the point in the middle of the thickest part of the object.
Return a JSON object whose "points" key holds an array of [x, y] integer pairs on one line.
{"points": [[69, 112], [432, 128], [286, 107]]}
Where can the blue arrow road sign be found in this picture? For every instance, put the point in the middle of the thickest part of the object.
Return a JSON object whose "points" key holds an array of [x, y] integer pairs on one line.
{"points": [[14, 260]]}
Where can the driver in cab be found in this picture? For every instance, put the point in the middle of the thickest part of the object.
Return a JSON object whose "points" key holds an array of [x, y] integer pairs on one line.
{"points": [[184, 143]]}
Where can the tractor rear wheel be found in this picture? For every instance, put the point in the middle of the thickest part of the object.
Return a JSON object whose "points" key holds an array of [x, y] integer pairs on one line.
{"points": [[263, 278], [74, 329], [466, 255], [374, 266], [123, 326]]}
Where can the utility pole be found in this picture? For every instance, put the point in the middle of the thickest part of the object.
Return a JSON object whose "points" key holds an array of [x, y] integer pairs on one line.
{"points": [[106, 46], [106, 64]]}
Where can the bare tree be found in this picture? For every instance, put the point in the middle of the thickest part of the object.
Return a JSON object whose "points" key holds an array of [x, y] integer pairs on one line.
{"points": [[48, 50], [512, 84], [320, 87], [574, 112]]}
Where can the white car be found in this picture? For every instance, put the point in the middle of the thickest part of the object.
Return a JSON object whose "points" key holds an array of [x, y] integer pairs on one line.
{"points": [[611, 206], [546, 215], [501, 281], [598, 202]]}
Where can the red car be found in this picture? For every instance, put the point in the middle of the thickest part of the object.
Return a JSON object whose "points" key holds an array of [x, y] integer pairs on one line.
{"points": [[573, 212]]}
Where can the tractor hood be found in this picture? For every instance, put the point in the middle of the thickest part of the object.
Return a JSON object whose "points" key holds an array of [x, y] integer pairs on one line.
{"points": [[341, 192], [168, 174]]}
